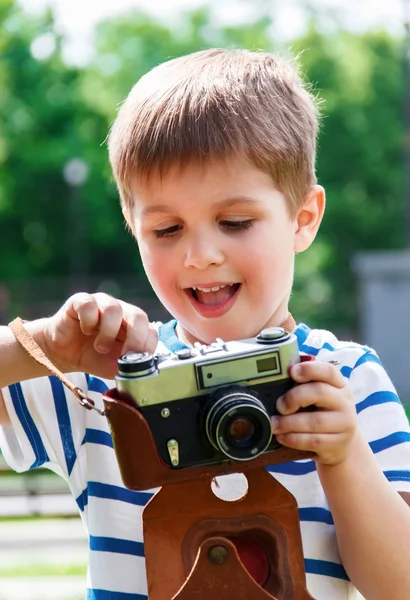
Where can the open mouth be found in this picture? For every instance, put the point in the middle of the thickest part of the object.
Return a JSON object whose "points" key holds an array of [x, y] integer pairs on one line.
{"points": [[214, 296]]}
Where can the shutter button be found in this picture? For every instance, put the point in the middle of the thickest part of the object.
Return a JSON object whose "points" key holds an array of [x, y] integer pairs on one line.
{"points": [[271, 335]]}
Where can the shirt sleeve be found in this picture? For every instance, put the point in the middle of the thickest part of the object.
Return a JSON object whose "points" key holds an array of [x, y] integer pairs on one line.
{"points": [[47, 424], [382, 419]]}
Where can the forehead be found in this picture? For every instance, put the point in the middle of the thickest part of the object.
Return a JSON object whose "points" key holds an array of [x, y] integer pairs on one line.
{"points": [[212, 181]]}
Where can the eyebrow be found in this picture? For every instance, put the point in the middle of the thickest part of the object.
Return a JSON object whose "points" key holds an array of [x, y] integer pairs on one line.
{"points": [[227, 203]]}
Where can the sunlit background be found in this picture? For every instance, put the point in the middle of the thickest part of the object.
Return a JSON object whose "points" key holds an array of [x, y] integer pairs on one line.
{"points": [[65, 66], [77, 19]]}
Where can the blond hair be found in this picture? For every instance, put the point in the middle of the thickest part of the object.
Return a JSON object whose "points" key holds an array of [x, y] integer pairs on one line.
{"points": [[212, 105]]}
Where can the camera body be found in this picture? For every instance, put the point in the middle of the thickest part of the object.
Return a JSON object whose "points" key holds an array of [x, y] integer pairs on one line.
{"points": [[211, 403]]}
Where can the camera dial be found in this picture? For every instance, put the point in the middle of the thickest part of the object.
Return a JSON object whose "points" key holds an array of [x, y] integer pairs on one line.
{"points": [[136, 364]]}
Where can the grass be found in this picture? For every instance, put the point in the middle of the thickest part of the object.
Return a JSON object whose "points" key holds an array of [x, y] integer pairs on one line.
{"points": [[37, 518], [44, 570]]}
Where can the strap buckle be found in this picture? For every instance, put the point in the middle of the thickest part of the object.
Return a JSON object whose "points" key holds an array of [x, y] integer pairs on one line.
{"points": [[87, 403]]}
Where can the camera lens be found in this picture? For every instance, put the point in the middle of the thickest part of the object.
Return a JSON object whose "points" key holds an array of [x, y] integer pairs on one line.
{"points": [[241, 431], [237, 424]]}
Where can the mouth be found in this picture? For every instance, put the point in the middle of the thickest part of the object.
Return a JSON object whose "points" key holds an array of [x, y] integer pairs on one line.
{"points": [[216, 295]]}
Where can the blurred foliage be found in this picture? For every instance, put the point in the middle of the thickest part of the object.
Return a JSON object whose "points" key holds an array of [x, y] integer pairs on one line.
{"points": [[51, 113], [360, 163]]}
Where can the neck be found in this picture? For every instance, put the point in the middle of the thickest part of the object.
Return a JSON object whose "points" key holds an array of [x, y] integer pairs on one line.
{"points": [[289, 324]]}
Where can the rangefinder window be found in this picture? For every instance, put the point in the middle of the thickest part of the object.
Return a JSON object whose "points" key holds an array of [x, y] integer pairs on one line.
{"points": [[240, 369], [267, 364]]}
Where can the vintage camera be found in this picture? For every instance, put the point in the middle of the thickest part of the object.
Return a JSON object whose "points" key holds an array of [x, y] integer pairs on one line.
{"points": [[211, 403]]}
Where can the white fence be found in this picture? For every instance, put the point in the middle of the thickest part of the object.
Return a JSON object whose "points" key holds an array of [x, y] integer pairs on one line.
{"points": [[34, 493]]}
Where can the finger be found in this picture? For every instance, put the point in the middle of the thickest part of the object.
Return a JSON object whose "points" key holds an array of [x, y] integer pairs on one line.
{"points": [[319, 443], [83, 307], [152, 340], [111, 317], [137, 329], [316, 370], [311, 422], [318, 394]]}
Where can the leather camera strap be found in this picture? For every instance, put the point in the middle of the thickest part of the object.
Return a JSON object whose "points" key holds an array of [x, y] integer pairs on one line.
{"points": [[30, 345]]}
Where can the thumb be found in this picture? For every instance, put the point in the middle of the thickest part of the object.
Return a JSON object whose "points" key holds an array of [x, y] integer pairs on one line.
{"points": [[151, 342]]}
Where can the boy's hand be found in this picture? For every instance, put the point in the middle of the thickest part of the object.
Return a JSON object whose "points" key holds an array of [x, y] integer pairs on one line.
{"points": [[90, 332], [329, 430]]}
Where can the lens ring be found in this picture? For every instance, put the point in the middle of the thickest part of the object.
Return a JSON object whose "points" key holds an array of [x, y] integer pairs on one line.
{"points": [[217, 406], [219, 419], [256, 446]]}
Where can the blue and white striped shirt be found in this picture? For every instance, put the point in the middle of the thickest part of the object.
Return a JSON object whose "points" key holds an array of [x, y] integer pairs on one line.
{"points": [[50, 429]]}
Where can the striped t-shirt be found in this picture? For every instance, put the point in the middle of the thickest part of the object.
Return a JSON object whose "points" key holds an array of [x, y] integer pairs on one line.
{"points": [[49, 428]]}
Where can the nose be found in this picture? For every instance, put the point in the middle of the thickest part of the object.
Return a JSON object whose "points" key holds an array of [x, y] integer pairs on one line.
{"points": [[202, 251]]}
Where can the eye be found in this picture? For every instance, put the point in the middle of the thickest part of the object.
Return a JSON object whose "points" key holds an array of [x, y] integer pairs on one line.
{"points": [[167, 232], [237, 225]]}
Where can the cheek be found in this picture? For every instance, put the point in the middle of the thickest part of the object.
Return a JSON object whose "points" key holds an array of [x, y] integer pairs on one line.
{"points": [[157, 266], [267, 259]]}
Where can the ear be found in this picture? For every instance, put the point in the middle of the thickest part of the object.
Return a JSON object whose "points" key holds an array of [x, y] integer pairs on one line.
{"points": [[308, 219]]}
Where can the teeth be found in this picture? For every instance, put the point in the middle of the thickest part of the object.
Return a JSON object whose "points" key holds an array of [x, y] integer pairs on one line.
{"points": [[212, 289]]}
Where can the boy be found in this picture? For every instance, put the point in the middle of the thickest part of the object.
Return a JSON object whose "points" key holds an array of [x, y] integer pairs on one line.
{"points": [[213, 155]]}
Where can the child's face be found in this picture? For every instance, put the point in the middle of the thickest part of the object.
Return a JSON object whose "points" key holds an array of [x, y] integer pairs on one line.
{"points": [[221, 226]]}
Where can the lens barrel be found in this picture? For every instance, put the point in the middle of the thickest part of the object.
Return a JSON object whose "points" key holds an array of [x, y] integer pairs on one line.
{"points": [[237, 423]]}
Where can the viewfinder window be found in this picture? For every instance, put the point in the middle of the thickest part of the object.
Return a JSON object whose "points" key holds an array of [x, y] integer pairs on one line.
{"points": [[267, 364]]}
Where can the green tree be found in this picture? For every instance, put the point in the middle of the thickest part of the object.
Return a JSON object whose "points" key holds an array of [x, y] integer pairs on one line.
{"points": [[51, 113], [360, 163]]}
